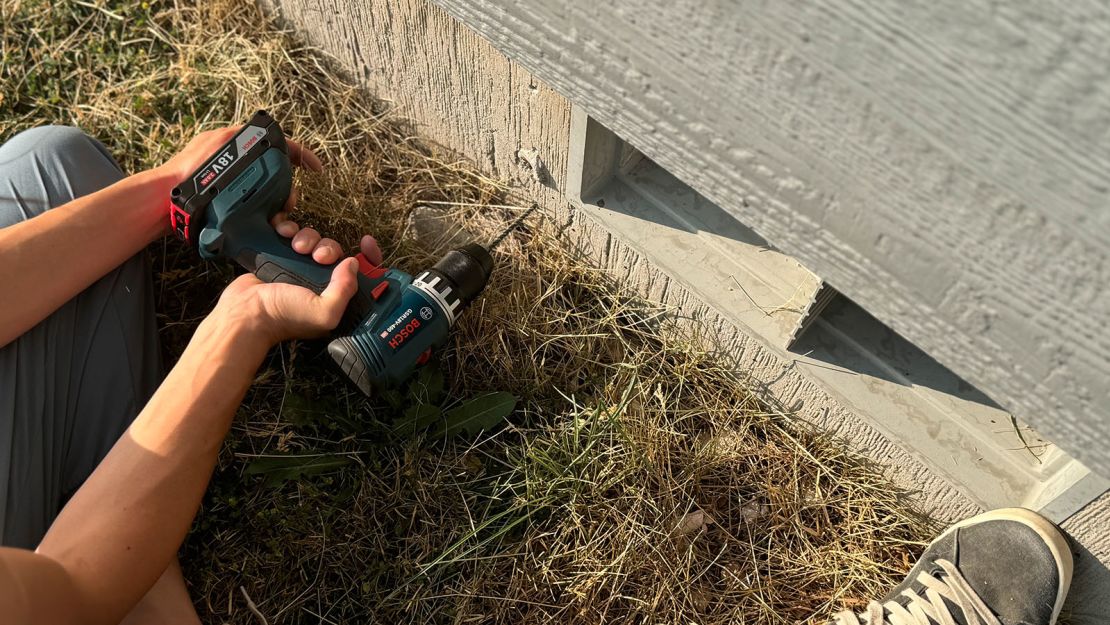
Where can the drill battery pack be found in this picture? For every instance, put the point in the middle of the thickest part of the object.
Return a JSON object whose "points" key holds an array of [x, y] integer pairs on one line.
{"points": [[191, 197]]}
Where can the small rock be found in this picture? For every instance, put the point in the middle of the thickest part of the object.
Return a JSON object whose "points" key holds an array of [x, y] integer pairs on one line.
{"points": [[437, 229], [530, 159], [753, 511], [692, 521]]}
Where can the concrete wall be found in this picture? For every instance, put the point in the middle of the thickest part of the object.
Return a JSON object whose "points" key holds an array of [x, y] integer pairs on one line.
{"points": [[469, 96], [462, 92]]}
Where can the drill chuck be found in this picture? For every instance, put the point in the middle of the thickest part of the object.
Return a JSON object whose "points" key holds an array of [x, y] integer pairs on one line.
{"points": [[457, 278]]}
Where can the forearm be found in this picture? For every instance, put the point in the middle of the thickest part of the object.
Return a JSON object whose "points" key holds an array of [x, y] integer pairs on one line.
{"points": [[122, 528], [47, 260]]}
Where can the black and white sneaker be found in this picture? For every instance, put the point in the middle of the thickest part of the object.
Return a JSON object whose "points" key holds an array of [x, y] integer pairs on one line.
{"points": [[1004, 567]]}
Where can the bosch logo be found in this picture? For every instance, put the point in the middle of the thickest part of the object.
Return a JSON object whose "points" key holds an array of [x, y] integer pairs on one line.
{"points": [[426, 313], [404, 333]]}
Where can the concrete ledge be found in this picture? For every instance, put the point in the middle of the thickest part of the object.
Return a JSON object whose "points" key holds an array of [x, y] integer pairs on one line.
{"points": [[868, 368], [778, 380]]}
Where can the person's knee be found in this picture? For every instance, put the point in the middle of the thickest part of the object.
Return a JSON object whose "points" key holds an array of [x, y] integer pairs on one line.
{"points": [[47, 140], [52, 138], [59, 162]]}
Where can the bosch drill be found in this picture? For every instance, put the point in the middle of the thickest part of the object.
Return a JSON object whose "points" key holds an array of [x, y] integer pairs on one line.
{"points": [[394, 321]]}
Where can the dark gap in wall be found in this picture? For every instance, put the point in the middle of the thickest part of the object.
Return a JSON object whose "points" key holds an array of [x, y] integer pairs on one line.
{"points": [[847, 336]]}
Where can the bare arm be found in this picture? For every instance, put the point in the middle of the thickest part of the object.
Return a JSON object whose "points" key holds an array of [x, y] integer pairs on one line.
{"points": [[122, 527], [47, 260]]}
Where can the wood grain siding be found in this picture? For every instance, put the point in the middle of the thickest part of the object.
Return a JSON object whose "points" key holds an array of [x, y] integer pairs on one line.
{"points": [[943, 164]]}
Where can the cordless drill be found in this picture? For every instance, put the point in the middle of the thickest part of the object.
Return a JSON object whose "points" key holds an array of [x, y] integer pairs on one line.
{"points": [[394, 321]]}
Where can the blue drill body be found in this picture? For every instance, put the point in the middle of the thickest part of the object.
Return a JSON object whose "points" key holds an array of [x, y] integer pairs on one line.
{"points": [[394, 320]]}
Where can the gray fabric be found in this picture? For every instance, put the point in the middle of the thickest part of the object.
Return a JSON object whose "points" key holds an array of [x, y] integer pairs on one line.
{"points": [[70, 386]]}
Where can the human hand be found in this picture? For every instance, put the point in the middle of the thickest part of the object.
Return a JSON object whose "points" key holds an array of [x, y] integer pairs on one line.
{"points": [[323, 250], [275, 312], [279, 312], [305, 240]]}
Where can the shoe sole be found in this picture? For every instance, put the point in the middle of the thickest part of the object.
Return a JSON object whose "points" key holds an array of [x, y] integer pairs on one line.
{"points": [[1052, 535]]}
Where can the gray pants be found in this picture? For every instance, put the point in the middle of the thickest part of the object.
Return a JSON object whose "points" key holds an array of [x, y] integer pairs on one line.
{"points": [[71, 385]]}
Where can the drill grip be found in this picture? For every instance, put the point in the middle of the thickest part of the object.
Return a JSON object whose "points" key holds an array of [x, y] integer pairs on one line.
{"points": [[276, 261], [280, 263], [225, 208]]}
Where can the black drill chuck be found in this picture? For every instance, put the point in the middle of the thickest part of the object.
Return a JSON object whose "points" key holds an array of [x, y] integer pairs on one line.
{"points": [[457, 278], [469, 268]]}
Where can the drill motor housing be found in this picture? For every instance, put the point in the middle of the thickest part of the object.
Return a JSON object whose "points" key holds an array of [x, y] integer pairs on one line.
{"points": [[394, 321]]}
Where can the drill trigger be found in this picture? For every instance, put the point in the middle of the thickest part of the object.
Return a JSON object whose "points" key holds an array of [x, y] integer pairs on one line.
{"points": [[368, 269]]}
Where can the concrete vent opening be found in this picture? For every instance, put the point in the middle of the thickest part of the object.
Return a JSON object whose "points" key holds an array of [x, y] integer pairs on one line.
{"points": [[868, 368]]}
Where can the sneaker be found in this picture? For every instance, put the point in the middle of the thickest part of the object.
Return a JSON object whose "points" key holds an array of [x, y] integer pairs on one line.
{"points": [[1005, 567]]}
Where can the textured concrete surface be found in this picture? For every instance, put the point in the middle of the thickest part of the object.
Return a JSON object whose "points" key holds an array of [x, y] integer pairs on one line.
{"points": [[942, 164], [1089, 601], [460, 90], [472, 99], [782, 382]]}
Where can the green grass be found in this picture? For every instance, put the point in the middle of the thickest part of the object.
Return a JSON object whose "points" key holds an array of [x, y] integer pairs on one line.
{"points": [[637, 479]]}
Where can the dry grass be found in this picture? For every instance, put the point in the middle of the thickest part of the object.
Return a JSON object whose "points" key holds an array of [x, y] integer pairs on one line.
{"points": [[638, 480]]}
